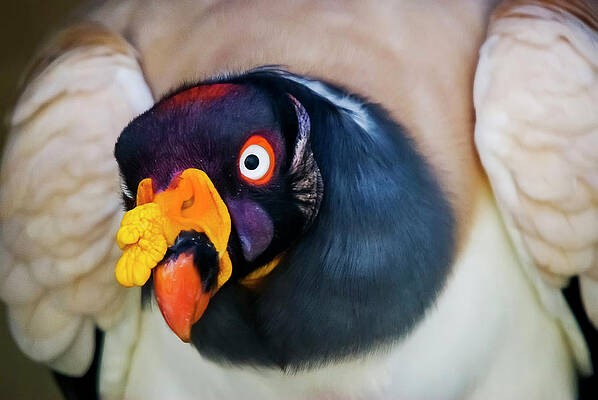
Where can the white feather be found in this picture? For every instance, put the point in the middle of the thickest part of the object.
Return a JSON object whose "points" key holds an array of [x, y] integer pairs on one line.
{"points": [[347, 103]]}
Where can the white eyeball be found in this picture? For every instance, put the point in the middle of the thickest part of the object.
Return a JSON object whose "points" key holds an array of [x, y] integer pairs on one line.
{"points": [[254, 163]]}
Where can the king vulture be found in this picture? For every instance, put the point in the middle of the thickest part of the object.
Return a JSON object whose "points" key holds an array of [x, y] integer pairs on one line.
{"points": [[308, 200]]}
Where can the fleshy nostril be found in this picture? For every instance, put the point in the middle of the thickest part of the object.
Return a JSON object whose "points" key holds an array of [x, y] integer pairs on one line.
{"points": [[187, 203]]}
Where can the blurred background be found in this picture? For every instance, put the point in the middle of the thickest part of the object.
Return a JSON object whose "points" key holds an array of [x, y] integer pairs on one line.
{"points": [[23, 26]]}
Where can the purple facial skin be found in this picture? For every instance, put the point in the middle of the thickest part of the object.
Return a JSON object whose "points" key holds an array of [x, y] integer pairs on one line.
{"points": [[254, 227]]}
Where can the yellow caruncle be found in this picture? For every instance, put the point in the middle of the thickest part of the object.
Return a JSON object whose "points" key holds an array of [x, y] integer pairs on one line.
{"points": [[144, 243]]}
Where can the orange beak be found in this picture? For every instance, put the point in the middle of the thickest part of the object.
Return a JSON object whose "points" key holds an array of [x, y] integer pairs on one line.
{"points": [[179, 293], [190, 203]]}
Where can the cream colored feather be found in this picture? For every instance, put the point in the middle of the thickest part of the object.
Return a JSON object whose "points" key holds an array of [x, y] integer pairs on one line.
{"points": [[536, 100], [60, 205]]}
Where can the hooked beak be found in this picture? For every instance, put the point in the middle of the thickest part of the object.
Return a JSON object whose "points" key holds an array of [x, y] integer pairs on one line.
{"points": [[180, 294], [190, 203]]}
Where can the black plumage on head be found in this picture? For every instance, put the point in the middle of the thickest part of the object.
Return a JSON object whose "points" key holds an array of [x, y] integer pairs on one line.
{"points": [[369, 266]]}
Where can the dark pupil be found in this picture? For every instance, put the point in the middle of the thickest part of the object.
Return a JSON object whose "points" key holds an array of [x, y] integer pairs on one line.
{"points": [[251, 162]]}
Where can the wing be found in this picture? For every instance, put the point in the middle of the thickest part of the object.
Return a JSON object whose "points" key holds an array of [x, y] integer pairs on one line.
{"points": [[536, 100], [59, 203]]}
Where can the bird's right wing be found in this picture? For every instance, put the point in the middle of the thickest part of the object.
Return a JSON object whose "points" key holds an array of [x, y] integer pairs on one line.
{"points": [[60, 206], [536, 100]]}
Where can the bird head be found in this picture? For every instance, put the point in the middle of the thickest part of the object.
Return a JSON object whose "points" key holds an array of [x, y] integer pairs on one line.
{"points": [[274, 217]]}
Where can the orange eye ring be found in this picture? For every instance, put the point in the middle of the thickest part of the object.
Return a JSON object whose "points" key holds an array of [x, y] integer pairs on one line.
{"points": [[258, 147]]}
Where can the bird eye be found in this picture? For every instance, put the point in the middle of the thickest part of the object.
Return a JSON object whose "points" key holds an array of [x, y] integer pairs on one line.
{"points": [[256, 162]]}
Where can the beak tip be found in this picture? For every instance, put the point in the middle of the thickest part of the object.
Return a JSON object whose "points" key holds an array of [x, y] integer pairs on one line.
{"points": [[182, 331], [184, 338]]}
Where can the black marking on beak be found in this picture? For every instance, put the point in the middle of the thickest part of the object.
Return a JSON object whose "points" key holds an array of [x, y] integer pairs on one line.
{"points": [[205, 259]]}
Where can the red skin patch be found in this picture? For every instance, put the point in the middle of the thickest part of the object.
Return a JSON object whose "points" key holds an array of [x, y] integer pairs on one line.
{"points": [[202, 94]]}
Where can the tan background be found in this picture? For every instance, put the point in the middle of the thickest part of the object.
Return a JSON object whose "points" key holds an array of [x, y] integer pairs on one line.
{"points": [[23, 25]]}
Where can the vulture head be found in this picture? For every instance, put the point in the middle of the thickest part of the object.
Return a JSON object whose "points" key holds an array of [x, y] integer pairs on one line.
{"points": [[303, 224]]}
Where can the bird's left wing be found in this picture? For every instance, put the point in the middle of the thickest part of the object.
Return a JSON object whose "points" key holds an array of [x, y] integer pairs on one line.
{"points": [[60, 206], [536, 101]]}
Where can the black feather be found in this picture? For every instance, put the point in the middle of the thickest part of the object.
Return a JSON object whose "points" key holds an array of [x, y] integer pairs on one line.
{"points": [[366, 271]]}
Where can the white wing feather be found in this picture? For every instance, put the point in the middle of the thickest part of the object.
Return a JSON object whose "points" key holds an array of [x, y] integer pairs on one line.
{"points": [[59, 200], [536, 100]]}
